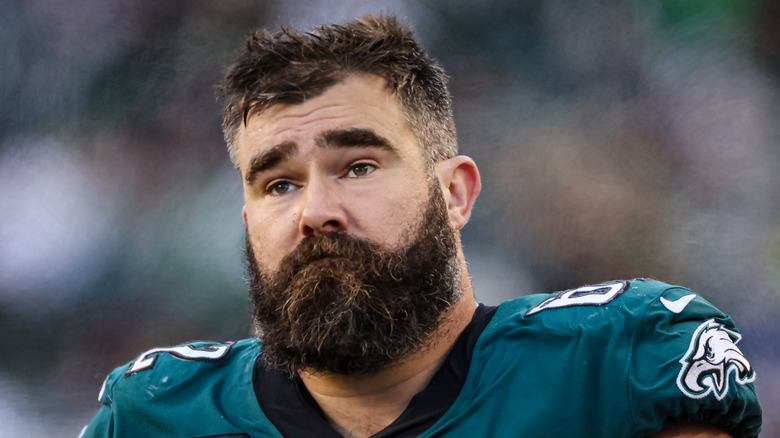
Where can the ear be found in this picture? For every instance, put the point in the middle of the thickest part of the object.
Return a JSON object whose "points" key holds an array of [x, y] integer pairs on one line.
{"points": [[243, 214], [460, 183]]}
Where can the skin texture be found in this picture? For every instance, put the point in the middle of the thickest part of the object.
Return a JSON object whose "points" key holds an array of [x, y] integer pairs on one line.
{"points": [[310, 169]]}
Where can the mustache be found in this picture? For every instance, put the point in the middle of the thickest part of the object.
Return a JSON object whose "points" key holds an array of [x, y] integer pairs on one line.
{"points": [[334, 245], [337, 247]]}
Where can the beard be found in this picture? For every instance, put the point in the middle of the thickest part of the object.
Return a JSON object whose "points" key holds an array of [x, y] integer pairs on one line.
{"points": [[349, 306]]}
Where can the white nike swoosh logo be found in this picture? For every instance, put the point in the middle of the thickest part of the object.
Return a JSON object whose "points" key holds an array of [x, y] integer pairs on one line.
{"points": [[679, 304]]}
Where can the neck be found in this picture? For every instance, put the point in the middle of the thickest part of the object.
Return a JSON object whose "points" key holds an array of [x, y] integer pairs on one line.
{"points": [[360, 406]]}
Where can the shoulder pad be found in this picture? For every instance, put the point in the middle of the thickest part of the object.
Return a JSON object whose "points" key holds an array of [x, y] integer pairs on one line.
{"points": [[160, 369]]}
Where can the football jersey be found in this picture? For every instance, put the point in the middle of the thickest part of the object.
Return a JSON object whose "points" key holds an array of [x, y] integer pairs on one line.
{"points": [[611, 360]]}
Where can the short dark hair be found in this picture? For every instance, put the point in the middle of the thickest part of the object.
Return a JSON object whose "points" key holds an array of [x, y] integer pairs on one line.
{"points": [[289, 66]]}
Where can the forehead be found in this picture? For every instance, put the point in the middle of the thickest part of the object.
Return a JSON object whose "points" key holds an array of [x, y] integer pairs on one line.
{"points": [[359, 101]]}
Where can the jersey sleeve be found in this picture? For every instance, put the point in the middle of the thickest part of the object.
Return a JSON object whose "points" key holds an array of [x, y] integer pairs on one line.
{"points": [[686, 367], [194, 389], [102, 425]]}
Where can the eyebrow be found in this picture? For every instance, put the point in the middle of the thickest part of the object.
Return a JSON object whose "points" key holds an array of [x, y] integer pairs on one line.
{"points": [[338, 138], [268, 159], [354, 137]]}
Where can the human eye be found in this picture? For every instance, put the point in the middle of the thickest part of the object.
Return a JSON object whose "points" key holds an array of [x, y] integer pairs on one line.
{"points": [[278, 188], [358, 170]]}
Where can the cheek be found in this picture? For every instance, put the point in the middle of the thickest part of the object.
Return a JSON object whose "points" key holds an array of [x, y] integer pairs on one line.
{"points": [[264, 254], [392, 216], [271, 239]]}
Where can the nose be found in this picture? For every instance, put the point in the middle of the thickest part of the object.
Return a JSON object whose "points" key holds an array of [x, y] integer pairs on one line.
{"points": [[322, 210]]}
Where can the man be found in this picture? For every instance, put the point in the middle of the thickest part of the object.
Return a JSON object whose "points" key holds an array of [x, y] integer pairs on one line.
{"points": [[365, 315]]}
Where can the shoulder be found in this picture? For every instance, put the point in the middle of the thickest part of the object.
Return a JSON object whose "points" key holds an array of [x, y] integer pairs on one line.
{"points": [[158, 371], [625, 302], [677, 356], [635, 293], [616, 311], [194, 389]]}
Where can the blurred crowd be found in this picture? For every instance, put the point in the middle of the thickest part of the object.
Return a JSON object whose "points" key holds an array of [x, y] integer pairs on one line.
{"points": [[615, 138]]}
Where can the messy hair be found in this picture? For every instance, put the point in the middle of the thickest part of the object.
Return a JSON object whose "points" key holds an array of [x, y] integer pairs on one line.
{"points": [[288, 66]]}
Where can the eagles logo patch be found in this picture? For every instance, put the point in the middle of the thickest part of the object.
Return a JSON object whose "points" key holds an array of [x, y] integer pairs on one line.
{"points": [[713, 355]]}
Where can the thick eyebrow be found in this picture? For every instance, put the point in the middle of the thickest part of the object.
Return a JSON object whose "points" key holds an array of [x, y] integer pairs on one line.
{"points": [[354, 137], [338, 138], [268, 159]]}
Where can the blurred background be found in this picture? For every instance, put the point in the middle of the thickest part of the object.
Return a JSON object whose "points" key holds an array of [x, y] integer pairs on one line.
{"points": [[616, 139]]}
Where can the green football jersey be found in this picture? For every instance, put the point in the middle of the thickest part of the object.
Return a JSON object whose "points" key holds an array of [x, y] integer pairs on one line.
{"points": [[618, 359], [613, 360]]}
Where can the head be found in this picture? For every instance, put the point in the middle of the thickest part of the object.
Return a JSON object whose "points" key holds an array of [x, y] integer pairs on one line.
{"points": [[354, 195], [290, 67]]}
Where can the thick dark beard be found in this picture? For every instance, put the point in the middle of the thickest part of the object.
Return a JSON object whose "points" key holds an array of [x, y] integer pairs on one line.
{"points": [[348, 306]]}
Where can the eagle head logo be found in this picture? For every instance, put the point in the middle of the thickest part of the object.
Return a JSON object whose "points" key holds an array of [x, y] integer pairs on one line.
{"points": [[712, 355]]}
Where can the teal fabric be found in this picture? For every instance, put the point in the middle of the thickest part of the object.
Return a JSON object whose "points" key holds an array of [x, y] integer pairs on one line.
{"points": [[184, 398], [595, 371], [584, 363]]}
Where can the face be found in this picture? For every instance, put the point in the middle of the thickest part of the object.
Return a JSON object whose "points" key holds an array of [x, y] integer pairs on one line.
{"points": [[352, 258], [342, 162]]}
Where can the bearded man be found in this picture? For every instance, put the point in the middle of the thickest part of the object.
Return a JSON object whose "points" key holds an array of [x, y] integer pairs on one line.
{"points": [[367, 324]]}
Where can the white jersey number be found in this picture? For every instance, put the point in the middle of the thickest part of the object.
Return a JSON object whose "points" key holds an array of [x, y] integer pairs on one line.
{"points": [[208, 353], [598, 295]]}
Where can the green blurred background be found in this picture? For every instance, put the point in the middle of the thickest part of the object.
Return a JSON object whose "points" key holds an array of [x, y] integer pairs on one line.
{"points": [[616, 139]]}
